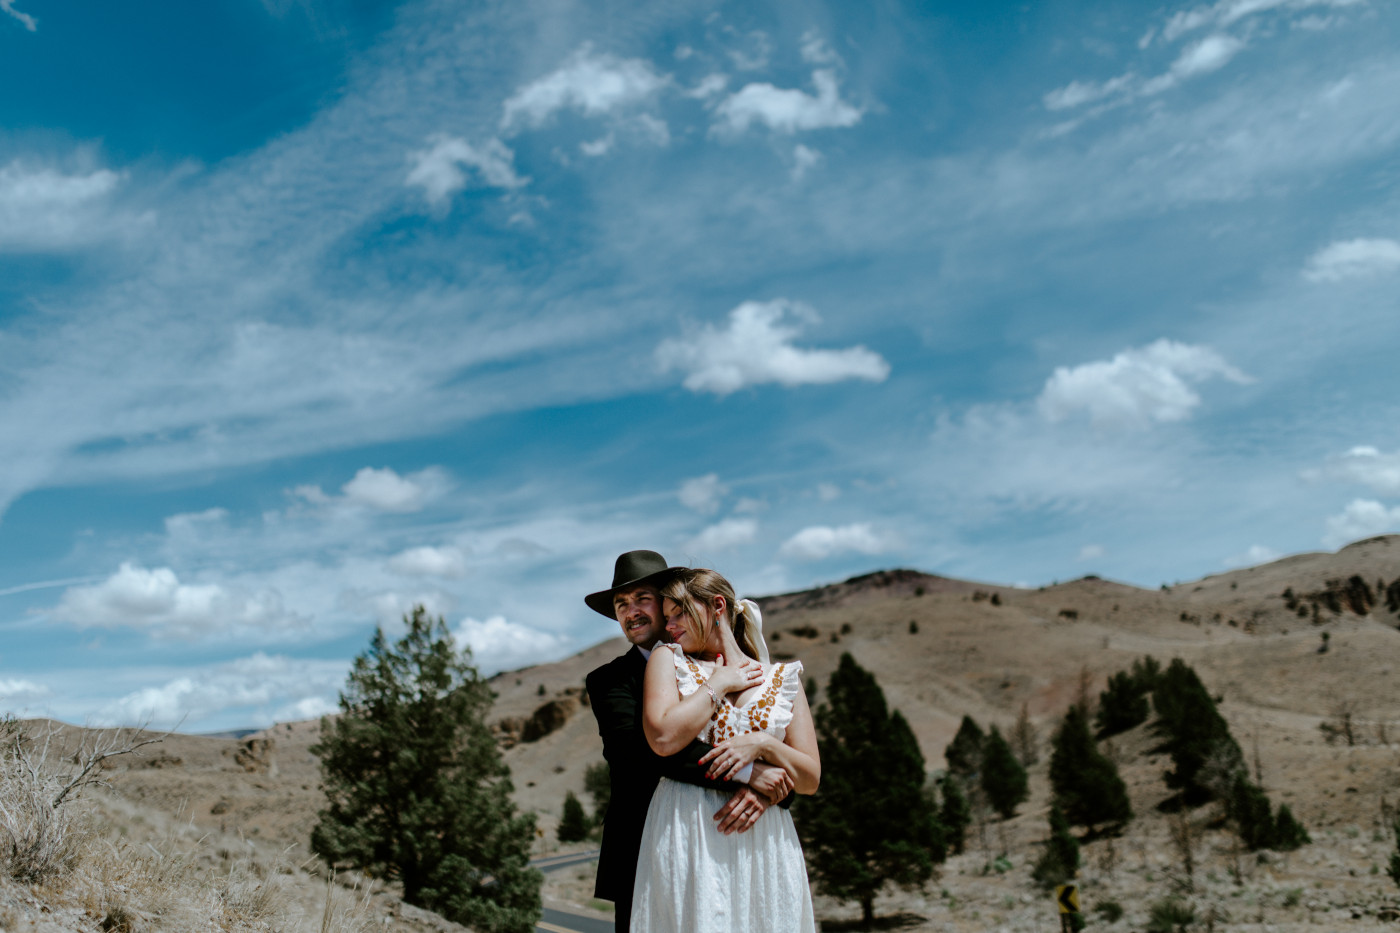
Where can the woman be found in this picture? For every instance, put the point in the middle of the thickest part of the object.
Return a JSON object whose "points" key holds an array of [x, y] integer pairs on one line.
{"points": [[715, 683]]}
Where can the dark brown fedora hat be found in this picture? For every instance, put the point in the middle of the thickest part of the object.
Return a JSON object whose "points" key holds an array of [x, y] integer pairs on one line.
{"points": [[631, 568]]}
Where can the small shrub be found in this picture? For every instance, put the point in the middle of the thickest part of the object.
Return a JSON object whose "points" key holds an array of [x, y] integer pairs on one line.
{"points": [[913, 627], [573, 825], [1170, 915], [845, 628], [1292, 897], [1111, 911]]}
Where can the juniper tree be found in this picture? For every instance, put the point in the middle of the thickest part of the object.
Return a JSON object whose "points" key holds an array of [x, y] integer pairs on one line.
{"points": [[1003, 779], [1195, 734], [1289, 834], [1085, 782], [573, 824], [964, 753], [956, 812], [872, 823], [1122, 705], [416, 790], [1060, 860], [598, 783]]}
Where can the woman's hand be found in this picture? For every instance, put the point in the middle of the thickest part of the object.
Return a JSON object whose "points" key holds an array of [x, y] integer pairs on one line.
{"points": [[733, 678], [728, 757]]}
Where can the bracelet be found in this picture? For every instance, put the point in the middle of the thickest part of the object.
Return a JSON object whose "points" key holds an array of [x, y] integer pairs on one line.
{"points": [[714, 699]]}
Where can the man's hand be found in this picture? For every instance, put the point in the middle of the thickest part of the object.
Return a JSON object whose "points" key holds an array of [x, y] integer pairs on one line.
{"points": [[771, 781], [742, 811]]}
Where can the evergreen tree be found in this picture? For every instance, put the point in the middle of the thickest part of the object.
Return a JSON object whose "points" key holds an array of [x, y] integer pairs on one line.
{"points": [[859, 835], [1085, 782], [416, 790], [1289, 834], [1060, 860], [1122, 705], [1195, 733], [598, 782], [956, 812], [573, 825], [1003, 779], [964, 753], [1394, 869]]}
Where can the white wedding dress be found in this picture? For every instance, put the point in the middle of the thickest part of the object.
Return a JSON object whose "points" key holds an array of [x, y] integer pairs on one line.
{"points": [[692, 879]]}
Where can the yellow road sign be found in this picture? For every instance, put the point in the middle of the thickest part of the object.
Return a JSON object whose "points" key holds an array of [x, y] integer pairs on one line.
{"points": [[1067, 896]]}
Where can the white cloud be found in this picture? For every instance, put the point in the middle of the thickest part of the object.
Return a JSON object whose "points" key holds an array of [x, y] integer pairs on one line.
{"points": [[8, 6], [157, 602], [724, 535], [703, 493], [438, 169], [447, 562], [709, 86], [1228, 12], [387, 491], [15, 690], [756, 55], [1091, 552], [1210, 54], [1136, 387], [803, 159], [819, 542], [1348, 259], [598, 147], [188, 525], [1362, 518], [787, 110], [390, 607], [828, 492], [1365, 465], [1256, 555], [593, 84], [46, 209], [757, 348], [267, 688], [1084, 92], [815, 51], [498, 645]]}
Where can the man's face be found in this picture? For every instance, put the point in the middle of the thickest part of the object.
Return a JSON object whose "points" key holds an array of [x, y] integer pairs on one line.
{"points": [[638, 610]]}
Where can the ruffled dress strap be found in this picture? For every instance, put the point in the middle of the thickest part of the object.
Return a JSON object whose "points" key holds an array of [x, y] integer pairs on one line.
{"points": [[689, 677], [772, 711]]}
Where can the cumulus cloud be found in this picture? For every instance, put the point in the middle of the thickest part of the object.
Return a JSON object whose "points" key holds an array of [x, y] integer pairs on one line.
{"points": [[819, 542], [1256, 555], [499, 645], [15, 690], [709, 86], [157, 602], [447, 562], [8, 6], [757, 348], [1362, 518], [703, 493], [42, 208], [1136, 387], [1348, 259], [1210, 54], [264, 688], [590, 83], [1083, 92], [724, 535], [787, 110], [1365, 465], [382, 490], [438, 169]]}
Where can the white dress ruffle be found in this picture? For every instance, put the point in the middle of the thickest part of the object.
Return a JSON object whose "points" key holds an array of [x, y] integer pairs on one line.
{"points": [[693, 879]]}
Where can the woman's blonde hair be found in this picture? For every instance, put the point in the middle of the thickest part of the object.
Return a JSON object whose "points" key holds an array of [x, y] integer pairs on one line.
{"points": [[695, 589]]}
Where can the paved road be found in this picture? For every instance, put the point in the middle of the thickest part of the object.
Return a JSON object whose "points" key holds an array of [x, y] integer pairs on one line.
{"points": [[559, 921]]}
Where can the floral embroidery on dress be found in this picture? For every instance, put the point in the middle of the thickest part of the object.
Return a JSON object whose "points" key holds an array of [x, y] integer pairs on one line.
{"points": [[770, 711]]}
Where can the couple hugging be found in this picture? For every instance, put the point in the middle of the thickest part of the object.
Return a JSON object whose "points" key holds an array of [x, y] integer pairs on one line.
{"points": [[703, 736]]}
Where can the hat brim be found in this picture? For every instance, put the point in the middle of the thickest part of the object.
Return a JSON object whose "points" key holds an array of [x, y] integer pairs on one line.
{"points": [[602, 601]]}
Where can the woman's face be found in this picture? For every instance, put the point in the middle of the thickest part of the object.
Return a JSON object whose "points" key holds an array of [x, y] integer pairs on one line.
{"points": [[679, 627]]}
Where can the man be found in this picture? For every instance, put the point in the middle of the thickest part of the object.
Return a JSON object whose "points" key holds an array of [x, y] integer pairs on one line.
{"points": [[615, 695]]}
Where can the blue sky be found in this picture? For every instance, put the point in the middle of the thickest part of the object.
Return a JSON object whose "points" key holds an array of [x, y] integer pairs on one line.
{"points": [[310, 311]]}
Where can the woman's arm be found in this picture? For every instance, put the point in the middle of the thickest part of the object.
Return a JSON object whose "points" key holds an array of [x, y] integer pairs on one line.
{"points": [[672, 722], [796, 754]]}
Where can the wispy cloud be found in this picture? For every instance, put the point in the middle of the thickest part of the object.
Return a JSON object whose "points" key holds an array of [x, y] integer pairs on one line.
{"points": [[1364, 465], [592, 83], [703, 493], [448, 562], [1349, 259], [42, 208], [27, 21], [724, 535], [787, 110], [1210, 54], [756, 348], [438, 170], [1137, 387]]}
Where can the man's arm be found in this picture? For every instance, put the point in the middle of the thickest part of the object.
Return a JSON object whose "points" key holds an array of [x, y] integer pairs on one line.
{"points": [[617, 705]]}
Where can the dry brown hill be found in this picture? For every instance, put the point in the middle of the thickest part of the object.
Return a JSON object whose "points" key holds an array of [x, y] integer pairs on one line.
{"points": [[944, 648]]}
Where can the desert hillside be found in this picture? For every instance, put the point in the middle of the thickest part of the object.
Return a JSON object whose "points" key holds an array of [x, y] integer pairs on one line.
{"points": [[942, 649]]}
